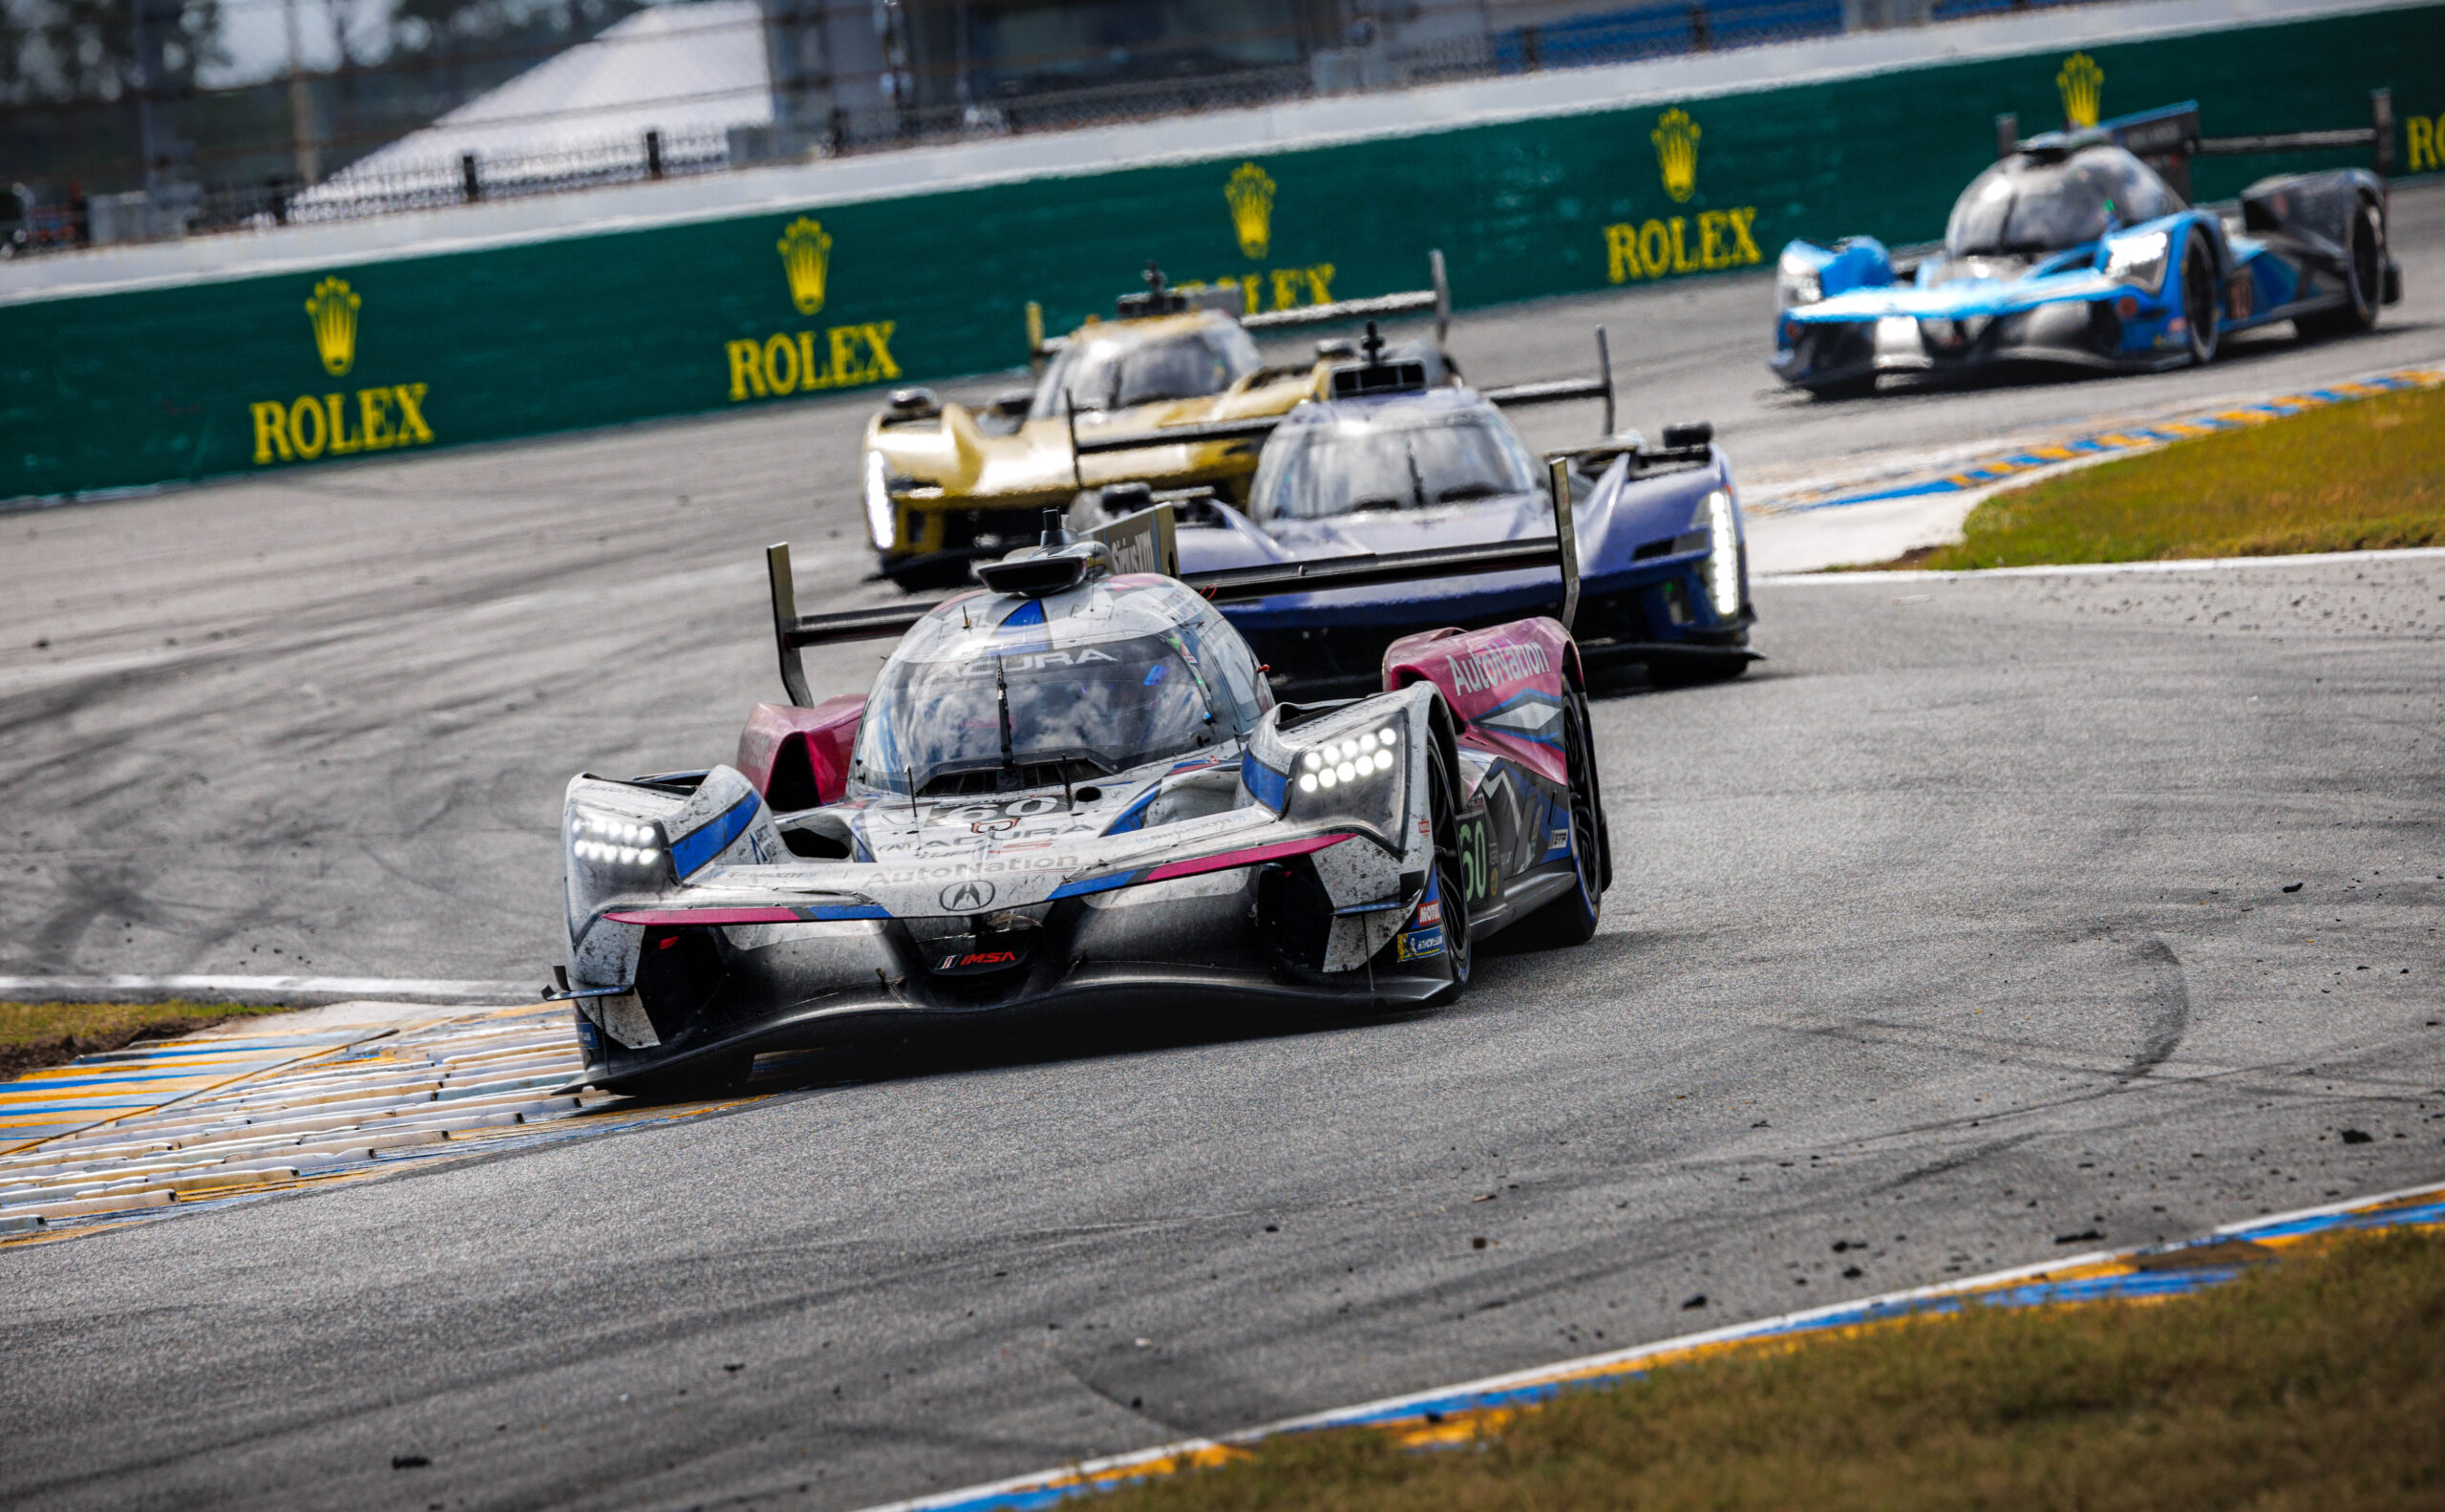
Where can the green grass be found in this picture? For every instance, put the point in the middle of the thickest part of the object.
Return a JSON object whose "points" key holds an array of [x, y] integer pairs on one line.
{"points": [[37, 1034], [2315, 1384], [2352, 477]]}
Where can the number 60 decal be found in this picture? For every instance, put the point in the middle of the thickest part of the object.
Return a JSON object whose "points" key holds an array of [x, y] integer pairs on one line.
{"points": [[1477, 867]]}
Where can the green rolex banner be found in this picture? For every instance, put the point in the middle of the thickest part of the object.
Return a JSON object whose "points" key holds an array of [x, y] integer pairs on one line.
{"points": [[408, 351]]}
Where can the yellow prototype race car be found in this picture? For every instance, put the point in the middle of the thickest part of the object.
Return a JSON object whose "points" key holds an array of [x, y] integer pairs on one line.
{"points": [[947, 485]]}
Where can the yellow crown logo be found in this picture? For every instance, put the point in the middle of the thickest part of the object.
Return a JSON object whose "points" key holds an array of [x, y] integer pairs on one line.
{"points": [[1251, 193], [332, 312], [1676, 153], [2083, 86], [806, 257]]}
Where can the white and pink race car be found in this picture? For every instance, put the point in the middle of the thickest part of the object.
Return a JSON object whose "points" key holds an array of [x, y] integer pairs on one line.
{"points": [[1074, 788]]}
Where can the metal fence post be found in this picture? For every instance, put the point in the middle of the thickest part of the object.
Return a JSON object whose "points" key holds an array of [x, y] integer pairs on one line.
{"points": [[2008, 134], [1701, 40], [467, 176], [2381, 117], [653, 154]]}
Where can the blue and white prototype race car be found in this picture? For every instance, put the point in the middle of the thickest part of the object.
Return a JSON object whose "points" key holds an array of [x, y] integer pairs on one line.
{"points": [[1402, 457], [2081, 249]]}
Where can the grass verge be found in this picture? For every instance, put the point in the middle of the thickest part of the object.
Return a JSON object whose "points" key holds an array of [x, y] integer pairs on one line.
{"points": [[2317, 1383], [36, 1034], [2356, 477]]}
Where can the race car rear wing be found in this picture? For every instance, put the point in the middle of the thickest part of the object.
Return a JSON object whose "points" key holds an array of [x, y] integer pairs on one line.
{"points": [[1144, 542], [1232, 299], [1552, 391], [2167, 138]]}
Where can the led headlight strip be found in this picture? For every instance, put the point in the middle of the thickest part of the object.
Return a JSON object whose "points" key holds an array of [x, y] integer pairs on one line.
{"points": [[1350, 760], [608, 840], [1723, 561], [883, 521]]}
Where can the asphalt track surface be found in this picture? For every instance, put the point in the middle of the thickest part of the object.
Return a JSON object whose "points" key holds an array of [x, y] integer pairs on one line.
{"points": [[1956, 930]]}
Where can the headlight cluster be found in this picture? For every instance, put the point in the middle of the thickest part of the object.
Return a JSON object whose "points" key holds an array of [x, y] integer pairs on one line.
{"points": [[1356, 758], [883, 521], [2140, 259], [1354, 775], [1798, 282], [608, 840], [1722, 520]]}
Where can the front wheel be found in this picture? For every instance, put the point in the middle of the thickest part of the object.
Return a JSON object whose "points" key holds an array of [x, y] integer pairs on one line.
{"points": [[1451, 885], [2201, 306], [1571, 919]]}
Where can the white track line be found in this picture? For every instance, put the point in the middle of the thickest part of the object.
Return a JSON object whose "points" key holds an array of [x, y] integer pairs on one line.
{"points": [[2084, 569], [270, 989]]}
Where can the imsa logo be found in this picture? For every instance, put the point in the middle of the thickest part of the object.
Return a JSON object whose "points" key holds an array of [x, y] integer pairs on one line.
{"points": [[338, 424]]}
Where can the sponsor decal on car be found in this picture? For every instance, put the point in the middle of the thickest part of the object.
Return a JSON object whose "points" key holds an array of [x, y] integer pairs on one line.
{"points": [[977, 960], [1492, 665], [1418, 944]]}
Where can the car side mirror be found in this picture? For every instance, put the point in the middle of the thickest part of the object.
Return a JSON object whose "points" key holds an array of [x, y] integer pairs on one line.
{"points": [[1689, 434]]}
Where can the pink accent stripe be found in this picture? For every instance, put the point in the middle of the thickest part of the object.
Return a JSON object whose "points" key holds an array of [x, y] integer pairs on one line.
{"points": [[1229, 859], [688, 916]]}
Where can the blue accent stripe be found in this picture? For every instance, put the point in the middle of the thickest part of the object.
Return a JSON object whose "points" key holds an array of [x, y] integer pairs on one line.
{"points": [[1134, 817], [691, 852], [846, 910], [1088, 884], [1271, 788]]}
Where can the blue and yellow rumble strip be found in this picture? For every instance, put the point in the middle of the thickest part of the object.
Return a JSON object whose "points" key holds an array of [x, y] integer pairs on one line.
{"points": [[1458, 1414], [2127, 440]]}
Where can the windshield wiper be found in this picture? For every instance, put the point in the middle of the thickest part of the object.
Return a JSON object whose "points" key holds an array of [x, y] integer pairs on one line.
{"points": [[1418, 483]]}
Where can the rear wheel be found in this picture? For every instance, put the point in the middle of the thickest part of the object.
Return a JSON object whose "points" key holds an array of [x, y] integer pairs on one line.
{"points": [[2364, 280], [2200, 303], [1451, 885], [1571, 919]]}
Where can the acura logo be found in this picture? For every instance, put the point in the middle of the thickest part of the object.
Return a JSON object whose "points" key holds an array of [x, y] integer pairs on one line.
{"points": [[967, 897]]}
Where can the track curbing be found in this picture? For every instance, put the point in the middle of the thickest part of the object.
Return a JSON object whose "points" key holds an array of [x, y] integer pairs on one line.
{"points": [[1452, 1415]]}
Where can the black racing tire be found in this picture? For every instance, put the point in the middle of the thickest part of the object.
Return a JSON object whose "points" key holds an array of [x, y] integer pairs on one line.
{"points": [[2364, 280], [1856, 388], [1451, 883], [2203, 301], [1664, 669], [1572, 918], [927, 577], [697, 1081]]}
